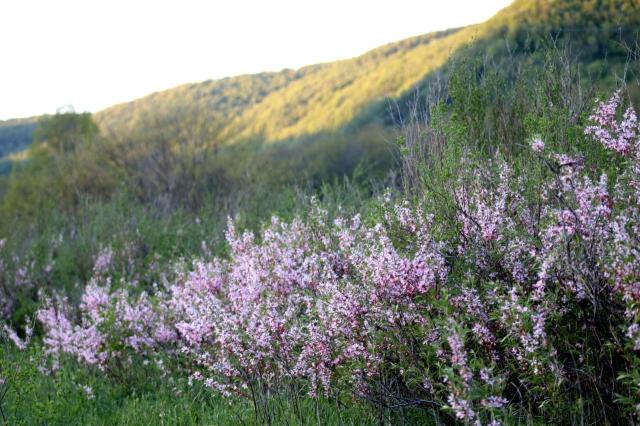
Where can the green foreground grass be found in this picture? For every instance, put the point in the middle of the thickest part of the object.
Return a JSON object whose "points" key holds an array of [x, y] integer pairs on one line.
{"points": [[145, 397]]}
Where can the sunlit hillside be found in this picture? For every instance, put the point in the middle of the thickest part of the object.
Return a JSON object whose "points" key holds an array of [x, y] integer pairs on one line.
{"points": [[327, 97]]}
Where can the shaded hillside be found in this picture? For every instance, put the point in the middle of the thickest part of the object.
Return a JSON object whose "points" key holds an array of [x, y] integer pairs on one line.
{"points": [[15, 136]]}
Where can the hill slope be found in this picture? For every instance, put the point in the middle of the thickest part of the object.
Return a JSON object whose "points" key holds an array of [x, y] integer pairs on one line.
{"points": [[326, 97], [15, 136], [323, 120]]}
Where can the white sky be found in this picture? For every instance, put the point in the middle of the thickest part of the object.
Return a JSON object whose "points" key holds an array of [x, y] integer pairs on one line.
{"points": [[92, 54]]}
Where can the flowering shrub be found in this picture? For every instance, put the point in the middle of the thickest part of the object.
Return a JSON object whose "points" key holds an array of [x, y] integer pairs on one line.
{"points": [[111, 325], [523, 312]]}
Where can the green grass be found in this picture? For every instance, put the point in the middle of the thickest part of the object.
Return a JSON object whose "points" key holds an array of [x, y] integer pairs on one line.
{"points": [[144, 397]]}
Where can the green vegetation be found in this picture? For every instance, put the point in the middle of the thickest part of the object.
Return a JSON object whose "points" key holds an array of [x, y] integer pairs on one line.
{"points": [[15, 138], [156, 179], [146, 399], [15, 135]]}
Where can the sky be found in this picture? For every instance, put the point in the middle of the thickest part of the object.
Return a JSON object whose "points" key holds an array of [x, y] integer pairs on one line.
{"points": [[92, 54]]}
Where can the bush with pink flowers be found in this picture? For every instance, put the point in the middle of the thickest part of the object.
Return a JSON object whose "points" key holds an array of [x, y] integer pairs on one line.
{"points": [[516, 306]]}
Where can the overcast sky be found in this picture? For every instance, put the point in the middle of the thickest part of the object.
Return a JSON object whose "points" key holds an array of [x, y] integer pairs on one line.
{"points": [[93, 54]]}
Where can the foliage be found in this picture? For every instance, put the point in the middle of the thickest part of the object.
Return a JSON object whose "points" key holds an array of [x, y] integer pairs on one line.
{"points": [[178, 148], [516, 307]]}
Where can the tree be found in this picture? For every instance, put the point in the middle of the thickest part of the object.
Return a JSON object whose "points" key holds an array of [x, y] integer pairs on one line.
{"points": [[59, 168]]}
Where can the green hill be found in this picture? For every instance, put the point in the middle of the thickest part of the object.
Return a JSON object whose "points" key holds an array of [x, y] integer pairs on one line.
{"points": [[326, 97], [321, 121]]}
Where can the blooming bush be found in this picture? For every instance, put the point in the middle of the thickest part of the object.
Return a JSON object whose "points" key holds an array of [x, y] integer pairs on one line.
{"points": [[525, 310]]}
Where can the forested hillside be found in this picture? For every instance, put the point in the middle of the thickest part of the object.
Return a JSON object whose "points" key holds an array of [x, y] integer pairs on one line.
{"points": [[327, 97], [303, 127]]}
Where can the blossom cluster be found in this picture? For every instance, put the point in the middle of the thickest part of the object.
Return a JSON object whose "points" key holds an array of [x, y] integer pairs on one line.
{"points": [[395, 309]]}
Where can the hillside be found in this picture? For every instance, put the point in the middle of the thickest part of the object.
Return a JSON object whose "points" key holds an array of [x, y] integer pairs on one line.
{"points": [[15, 136], [310, 125], [327, 97], [287, 104], [323, 120]]}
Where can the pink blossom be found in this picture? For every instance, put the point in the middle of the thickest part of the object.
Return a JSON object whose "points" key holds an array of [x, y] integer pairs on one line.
{"points": [[537, 145]]}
